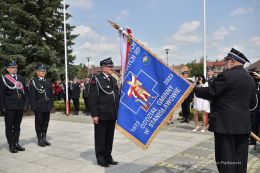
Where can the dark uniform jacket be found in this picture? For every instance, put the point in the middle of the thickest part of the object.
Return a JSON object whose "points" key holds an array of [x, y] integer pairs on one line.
{"points": [[231, 94], [63, 91], [40, 94], [103, 97], [75, 90], [86, 90], [210, 79], [12, 99]]}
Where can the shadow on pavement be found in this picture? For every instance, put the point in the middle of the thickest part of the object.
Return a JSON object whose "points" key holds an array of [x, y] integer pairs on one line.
{"points": [[89, 155]]}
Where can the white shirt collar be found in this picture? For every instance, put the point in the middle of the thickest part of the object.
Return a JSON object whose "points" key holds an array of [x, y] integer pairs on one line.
{"points": [[106, 75]]}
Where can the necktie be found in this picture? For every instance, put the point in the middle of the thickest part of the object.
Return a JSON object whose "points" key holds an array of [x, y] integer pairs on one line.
{"points": [[111, 80]]}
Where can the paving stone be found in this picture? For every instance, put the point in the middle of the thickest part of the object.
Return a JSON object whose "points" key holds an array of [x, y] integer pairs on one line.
{"points": [[206, 145], [198, 152], [157, 169], [72, 150]]}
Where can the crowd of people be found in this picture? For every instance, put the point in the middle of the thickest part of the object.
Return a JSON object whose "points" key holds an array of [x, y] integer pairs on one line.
{"points": [[75, 88]]}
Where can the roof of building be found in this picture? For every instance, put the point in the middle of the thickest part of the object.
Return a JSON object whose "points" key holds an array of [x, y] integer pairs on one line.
{"points": [[216, 63], [255, 64], [96, 70]]}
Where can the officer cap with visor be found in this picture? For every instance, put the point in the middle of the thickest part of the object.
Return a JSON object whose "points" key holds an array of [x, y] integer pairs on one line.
{"points": [[238, 56]]}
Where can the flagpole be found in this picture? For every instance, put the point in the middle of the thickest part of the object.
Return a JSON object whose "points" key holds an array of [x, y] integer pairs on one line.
{"points": [[66, 58], [204, 39]]}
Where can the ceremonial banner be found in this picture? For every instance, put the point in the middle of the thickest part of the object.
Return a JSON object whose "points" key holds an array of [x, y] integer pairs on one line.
{"points": [[150, 93]]}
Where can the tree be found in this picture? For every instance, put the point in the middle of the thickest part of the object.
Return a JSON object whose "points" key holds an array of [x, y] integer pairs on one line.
{"points": [[83, 71], [195, 68], [31, 32]]}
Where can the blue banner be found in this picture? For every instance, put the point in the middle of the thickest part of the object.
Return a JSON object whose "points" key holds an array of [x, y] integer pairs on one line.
{"points": [[150, 93]]}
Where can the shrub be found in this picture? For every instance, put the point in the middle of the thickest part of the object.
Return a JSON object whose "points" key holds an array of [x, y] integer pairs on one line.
{"points": [[60, 106]]}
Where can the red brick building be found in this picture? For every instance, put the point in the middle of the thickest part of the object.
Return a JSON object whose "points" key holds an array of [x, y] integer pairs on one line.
{"points": [[218, 66]]}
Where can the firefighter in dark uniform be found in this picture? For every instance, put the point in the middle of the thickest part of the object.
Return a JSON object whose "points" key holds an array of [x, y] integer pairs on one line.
{"points": [[75, 94], [103, 104], [12, 103], [210, 75], [40, 94], [210, 78], [85, 95], [232, 93]]}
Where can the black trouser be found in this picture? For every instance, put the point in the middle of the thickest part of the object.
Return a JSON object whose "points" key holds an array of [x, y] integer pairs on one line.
{"points": [[76, 104], [104, 136], [41, 122], [253, 125], [185, 106], [13, 119], [86, 104], [257, 122], [231, 152]]}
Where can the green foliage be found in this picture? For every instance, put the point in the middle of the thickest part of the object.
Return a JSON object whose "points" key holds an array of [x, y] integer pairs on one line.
{"points": [[195, 68], [60, 106], [31, 32], [83, 72]]}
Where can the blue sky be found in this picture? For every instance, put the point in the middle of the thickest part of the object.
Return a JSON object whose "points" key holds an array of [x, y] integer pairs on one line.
{"points": [[160, 24]]}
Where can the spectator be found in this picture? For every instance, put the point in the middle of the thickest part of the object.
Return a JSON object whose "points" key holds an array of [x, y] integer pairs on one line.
{"points": [[186, 104], [200, 105]]}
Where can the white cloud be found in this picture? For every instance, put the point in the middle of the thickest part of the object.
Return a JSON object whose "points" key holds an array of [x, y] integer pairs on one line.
{"points": [[242, 11], [88, 33], [255, 41], [97, 52], [187, 33], [86, 4], [223, 51], [123, 14], [189, 27], [95, 45], [222, 33]]}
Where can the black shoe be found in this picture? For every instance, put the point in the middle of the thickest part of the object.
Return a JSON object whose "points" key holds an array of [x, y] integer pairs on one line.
{"points": [[76, 113], [103, 164], [252, 142], [41, 142], [112, 162], [185, 121], [45, 140], [12, 149], [19, 147]]}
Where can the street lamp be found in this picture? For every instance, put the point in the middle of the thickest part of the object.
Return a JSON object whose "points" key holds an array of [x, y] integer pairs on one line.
{"points": [[167, 52], [88, 58]]}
